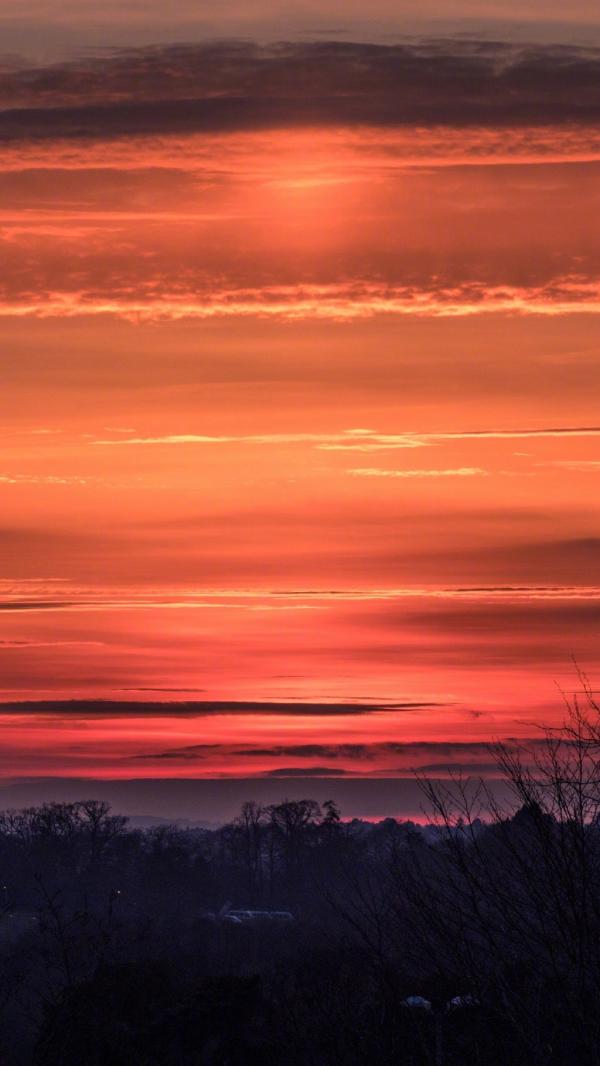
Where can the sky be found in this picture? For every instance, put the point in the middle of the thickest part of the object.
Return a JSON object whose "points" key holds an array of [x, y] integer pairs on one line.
{"points": [[300, 442]]}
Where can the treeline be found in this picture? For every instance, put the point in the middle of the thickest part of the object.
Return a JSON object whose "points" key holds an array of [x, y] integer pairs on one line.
{"points": [[115, 944], [84, 855], [473, 940]]}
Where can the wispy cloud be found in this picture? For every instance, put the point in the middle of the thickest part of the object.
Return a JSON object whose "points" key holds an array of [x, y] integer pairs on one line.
{"points": [[24, 644], [463, 471], [591, 466], [363, 298], [42, 479], [26, 596], [544, 431], [320, 440], [389, 442], [361, 440], [400, 149]]}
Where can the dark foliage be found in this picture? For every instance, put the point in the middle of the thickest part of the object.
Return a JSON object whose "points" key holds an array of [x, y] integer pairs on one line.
{"points": [[472, 940]]}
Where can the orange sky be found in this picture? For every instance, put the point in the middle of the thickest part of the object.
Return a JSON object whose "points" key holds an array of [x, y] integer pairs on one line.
{"points": [[300, 411]]}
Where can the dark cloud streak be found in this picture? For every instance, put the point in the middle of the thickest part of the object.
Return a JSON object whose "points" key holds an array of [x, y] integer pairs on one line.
{"points": [[306, 771], [214, 88], [195, 708], [448, 751]]}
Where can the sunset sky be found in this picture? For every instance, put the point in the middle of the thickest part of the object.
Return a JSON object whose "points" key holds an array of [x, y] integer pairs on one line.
{"points": [[300, 373]]}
